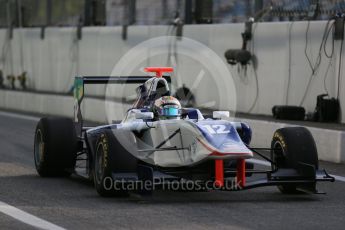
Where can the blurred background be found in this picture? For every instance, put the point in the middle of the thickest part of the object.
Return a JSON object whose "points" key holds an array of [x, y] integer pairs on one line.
{"points": [[292, 48], [37, 13]]}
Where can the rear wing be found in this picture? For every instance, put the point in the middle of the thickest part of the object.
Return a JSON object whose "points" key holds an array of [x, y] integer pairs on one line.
{"points": [[81, 81], [118, 80]]}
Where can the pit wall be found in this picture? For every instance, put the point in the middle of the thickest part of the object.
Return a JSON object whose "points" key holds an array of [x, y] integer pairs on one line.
{"points": [[52, 62]]}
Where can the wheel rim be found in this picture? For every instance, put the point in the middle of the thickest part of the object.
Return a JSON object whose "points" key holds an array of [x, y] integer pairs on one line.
{"points": [[99, 169], [278, 155], [39, 147]]}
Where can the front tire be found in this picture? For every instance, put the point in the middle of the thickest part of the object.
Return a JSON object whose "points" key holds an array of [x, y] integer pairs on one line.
{"points": [[111, 157], [55, 147], [291, 146]]}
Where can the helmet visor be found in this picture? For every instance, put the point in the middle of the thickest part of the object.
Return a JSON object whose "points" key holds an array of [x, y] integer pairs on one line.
{"points": [[170, 111]]}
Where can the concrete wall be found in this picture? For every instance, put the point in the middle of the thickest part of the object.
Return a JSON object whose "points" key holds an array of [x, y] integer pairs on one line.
{"points": [[51, 63]]}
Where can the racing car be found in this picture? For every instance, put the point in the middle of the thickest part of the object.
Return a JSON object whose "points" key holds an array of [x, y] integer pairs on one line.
{"points": [[158, 143]]}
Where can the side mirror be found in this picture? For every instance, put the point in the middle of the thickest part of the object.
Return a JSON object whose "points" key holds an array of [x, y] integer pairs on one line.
{"points": [[144, 115], [220, 114]]}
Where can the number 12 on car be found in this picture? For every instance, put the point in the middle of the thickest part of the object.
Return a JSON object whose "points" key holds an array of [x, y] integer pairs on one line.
{"points": [[216, 129]]}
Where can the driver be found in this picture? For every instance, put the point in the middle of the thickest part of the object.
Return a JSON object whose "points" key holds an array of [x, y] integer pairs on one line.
{"points": [[167, 107]]}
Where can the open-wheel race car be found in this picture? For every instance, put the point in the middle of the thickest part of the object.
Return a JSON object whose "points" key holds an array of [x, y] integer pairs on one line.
{"points": [[159, 143]]}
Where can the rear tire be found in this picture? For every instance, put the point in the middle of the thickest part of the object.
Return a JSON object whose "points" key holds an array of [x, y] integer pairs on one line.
{"points": [[290, 146], [55, 147]]}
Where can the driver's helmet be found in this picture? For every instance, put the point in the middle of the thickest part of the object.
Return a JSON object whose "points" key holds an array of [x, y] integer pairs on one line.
{"points": [[167, 107]]}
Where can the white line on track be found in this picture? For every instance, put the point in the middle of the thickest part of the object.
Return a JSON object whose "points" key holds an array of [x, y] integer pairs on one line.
{"points": [[16, 213], [19, 116], [27, 218], [338, 178]]}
